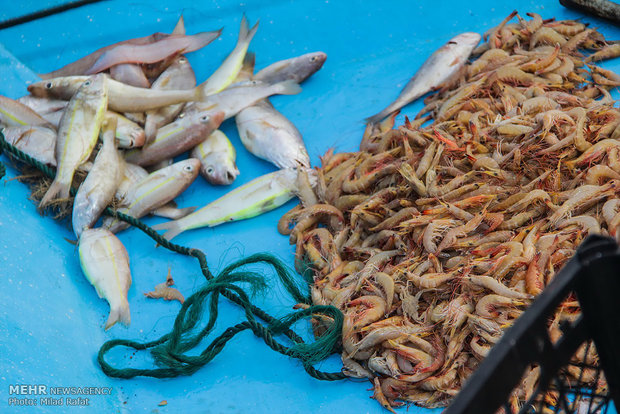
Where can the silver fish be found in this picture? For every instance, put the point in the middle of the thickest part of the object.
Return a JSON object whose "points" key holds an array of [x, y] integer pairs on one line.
{"points": [[128, 133], [156, 190], [132, 174], [105, 264], [175, 138], [77, 134], [14, 113], [43, 106], [179, 76], [228, 70], [97, 190], [217, 158], [122, 98], [130, 74], [297, 69], [437, 69], [38, 142], [256, 197], [269, 135], [241, 95]]}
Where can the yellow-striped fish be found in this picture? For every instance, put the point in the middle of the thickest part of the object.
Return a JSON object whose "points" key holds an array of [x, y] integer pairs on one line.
{"points": [[217, 158], [256, 197], [105, 264], [77, 134], [14, 113], [227, 72], [157, 189]]}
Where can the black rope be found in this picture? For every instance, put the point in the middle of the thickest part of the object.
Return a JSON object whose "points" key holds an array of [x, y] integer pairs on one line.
{"points": [[44, 13]]}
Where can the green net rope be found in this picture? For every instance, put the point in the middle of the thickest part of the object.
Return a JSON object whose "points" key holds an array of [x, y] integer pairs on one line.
{"points": [[169, 352]]}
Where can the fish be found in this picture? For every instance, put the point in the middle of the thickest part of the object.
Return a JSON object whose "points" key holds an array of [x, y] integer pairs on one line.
{"points": [[227, 72], [43, 106], [130, 74], [132, 174], [241, 95], [14, 113], [175, 138], [154, 191], [260, 195], [38, 142], [217, 159], [80, 66], [97, 190], [437, 69], [297, 69], [179, 75], [269, 135], [105, 263], [152, 52], [128, 133], [122, 98], [77, 134]]}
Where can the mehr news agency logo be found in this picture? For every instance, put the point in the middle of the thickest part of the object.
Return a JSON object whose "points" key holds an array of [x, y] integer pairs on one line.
{"points": [[38, 394]]}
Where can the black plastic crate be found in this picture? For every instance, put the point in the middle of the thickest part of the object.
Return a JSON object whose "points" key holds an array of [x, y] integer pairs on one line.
{"points": [[570, 378]]}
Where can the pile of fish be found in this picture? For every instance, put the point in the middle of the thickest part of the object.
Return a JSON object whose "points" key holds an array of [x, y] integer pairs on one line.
{"points": [[433, 239], [145, 110]]}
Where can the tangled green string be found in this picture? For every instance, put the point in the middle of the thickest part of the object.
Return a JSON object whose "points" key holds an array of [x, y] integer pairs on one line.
{"points": [[169, 352]]}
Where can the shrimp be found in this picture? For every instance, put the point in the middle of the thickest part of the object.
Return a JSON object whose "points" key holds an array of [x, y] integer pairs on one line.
{"points": [[530, 199], [433, 230], [546, 35], [582, 197], [611, 214], [495, 286], [380, 397], [373, 309], [481, 351], [608, 52], [312, 215]]}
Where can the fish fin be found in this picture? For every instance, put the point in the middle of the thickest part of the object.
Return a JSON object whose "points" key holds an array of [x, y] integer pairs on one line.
{"points": [[375, 119], [179, 28], [57, 190], [186, 211], [120, 313], [150, 129], [172, 229], [288, 87], [247, 68]]}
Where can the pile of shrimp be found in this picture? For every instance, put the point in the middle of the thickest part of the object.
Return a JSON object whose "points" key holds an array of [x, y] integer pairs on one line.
{"points": [[433, 239]]}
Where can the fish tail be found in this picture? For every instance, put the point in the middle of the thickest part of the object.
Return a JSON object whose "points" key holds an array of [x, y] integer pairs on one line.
{"points": [[288, 87], [150, 129], [182, 212], [375, 119], [58, 189], [247, 67], [245, 33], [119, 313], [172, 228]]}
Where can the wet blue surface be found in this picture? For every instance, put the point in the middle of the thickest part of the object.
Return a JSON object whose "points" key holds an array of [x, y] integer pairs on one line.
{"points": [[51, 318]]}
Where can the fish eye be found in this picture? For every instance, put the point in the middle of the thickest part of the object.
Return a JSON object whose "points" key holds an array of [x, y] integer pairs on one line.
{"points": [[48, 85], [87, 83], [182, 115], [188, 168], [210, 170], [313, 58], [451, 42], [204, 118], [182, 60]]}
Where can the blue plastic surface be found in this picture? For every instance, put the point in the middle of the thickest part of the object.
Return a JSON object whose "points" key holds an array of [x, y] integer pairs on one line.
{"points": [[51, 320]]}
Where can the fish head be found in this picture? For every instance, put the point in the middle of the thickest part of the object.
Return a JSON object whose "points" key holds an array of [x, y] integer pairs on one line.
{"points": [[316, 60], [136, 138], [187, 169], [63, 87], [219, 169], [212, 119], [468, 40], [94, 86]]}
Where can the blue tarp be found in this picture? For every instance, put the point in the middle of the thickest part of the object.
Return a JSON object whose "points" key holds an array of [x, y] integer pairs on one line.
{"points": [[51, 320]]}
